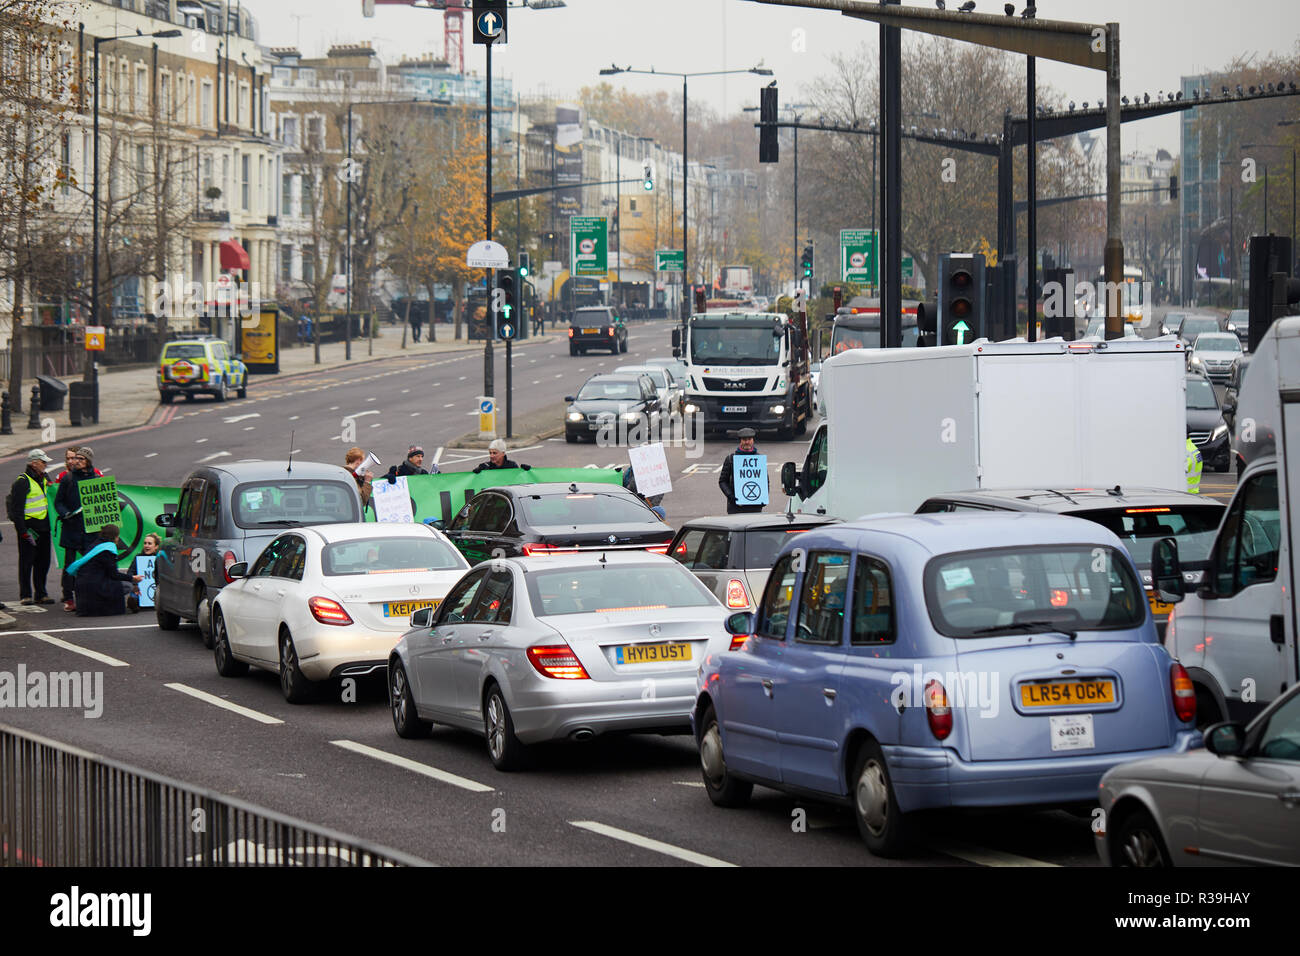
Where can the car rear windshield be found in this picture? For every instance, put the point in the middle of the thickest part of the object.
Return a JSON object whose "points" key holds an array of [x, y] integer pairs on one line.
{"points": [[289, 503], [385, 555], [761, 547], [616, 587], [610, 388], [1031, 589], [586, 508], [187, 350], [594, 317], [1192, 526]]}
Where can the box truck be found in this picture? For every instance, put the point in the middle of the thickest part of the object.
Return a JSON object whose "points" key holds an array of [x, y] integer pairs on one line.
{"points": [[904, 424]]}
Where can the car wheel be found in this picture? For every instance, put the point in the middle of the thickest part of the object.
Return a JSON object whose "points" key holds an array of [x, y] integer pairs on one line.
{"points": [[623, 346], [880, 823], [223, 392], [165, 397], [167, 621], [406, 721], [243, 390], [723, 790], [1139, 844], [295, 686], [504, 748], [227, 665], [199, 595]]}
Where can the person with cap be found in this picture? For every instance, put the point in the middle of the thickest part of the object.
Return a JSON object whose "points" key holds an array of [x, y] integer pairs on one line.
{"points": [[497, 458], [67, 505], [414, 464], [29, 511], [727, 480]]}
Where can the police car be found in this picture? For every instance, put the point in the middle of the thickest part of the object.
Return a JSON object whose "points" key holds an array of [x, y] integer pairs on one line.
{"points": [[200, 364]]}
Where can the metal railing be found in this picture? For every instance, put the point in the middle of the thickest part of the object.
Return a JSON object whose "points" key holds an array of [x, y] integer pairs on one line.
{"points": [[62, 806]]}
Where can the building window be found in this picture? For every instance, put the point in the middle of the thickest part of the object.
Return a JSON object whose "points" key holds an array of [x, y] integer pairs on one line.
{"points": [[315, 133], [289, 131], [308, 262], [308, 197], [242, 106], [65, 160], [206, 107], [286, 194], [286, 261], [165, 96], [246, 166], [141, 168], [141, 90]]}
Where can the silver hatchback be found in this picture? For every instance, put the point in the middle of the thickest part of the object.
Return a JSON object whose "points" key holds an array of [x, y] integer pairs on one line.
{"points": [[526, 650]]}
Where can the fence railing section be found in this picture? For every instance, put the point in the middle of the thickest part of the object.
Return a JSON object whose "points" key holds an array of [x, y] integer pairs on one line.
{"points": [[61, 806]]}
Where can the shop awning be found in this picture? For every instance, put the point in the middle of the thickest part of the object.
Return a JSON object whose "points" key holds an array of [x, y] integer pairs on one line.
{"points": [[233, 255]]}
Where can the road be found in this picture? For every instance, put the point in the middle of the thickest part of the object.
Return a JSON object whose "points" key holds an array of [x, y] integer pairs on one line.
{"points": [[621, 801]]}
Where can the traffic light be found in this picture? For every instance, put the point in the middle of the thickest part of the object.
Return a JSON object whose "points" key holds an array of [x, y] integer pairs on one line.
{"points": [[649, 173], [504, 304], [769, 149], [525, 265], [961, 301], [1173, 188], [806, 263]]}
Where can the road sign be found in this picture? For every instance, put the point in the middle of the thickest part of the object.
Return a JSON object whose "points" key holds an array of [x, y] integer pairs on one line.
{"points": [[589, 245], [95, 338], [908, 269], [490, 21], [487, 416], [858, 259], [670, 260], [486, 254]]}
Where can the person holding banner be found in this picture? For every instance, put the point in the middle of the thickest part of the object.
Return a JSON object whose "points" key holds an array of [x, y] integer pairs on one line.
{"points": [[727, 480], [98, 579], [354, 461], [67, 505], [141, 592]]}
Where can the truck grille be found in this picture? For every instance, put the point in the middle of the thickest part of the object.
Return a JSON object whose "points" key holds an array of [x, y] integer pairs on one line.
{"points": [[734, 385]]}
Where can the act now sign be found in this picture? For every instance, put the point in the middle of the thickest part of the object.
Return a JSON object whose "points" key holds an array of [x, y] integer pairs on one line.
{"points": [[749, 475]]}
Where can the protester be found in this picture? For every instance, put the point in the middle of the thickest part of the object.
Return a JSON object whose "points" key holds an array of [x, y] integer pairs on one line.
{"points": [[414, 464], [67, 505], [352, 462], [726, 478], [149, 547], [29, 511], [98, 579], [497, 458]]}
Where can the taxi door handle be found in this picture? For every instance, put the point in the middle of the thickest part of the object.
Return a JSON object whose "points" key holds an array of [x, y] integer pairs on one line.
{"points": [[257, 587], [767, 686], [828, 693]]}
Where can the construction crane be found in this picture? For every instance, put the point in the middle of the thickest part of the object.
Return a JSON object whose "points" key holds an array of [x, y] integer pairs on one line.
{"points": [[453, 24]]}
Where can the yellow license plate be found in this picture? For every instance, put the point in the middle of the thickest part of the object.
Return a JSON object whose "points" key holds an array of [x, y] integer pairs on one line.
{"points": [[652, 653], [1158, 607], [591, 331], [406, 608], [1063, 693]]}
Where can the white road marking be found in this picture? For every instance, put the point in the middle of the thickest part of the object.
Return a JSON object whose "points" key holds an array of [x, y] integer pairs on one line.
{"points": [[450, 405], [334, 408], [80, 630], [689, 783], [368, 411], [293, 418], [77, 649], [415, 414], [562, 376], [239, 418], [200, 441], [220, 454], [414, 766], [985, 857], [690, 856], [225, 704], [538, 382], [152, 454], [463, 377], [405, 390], [436, 384], [437, 455], [249, 428], [377, 425]]}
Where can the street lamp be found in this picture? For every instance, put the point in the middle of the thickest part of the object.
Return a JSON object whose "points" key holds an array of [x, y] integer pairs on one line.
{"points": [[94, 199], [1232, 233], [757, 71], [1293, 203]]}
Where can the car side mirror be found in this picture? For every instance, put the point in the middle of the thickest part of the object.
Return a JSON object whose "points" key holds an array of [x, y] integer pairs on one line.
{"points": [[740, 623], [1166, 572], [165, 521], [570, 398], [238, 570], [1225, 740], [423, 617], [789, 479], [677, 341]]}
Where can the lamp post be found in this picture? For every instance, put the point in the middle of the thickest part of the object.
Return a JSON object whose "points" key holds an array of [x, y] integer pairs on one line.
{"points": [[757, 71], [1232, 235], [1293, 194], [94, 199]]}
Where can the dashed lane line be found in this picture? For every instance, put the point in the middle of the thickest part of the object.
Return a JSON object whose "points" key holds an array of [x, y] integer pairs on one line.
{"points": [[77, 649], [983, 857], [414, 766], [667, 849], [216, 701]]}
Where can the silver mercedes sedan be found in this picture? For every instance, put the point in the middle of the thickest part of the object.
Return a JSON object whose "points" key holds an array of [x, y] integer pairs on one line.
{"points": [[525, 650]]}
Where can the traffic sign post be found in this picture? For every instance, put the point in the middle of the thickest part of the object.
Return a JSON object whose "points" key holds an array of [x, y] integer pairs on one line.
{"points": [[670, 260], [858, 259], [589, 245], [487, 416], [490, 21]]}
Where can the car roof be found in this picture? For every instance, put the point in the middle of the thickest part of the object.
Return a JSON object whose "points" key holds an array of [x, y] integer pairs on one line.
{"points": [[616, 376], [756, 522], [947, 533], [351, 530], [1211, 336], [594, 308], [542, 488], [1063, 500], [273, 470]]}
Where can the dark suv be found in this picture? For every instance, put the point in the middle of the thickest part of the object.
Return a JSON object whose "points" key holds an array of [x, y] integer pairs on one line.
{"points": [[597, 327], [227, 514]]}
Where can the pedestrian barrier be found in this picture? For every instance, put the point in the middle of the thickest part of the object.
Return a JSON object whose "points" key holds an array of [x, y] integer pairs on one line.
{"points": [[62, 806]]}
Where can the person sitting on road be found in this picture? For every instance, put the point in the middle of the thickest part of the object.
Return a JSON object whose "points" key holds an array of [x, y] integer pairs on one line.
{"points": [[99, 580], [497, 458]]}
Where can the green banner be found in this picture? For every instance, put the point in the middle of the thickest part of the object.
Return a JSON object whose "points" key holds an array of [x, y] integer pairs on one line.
{"points": [[99, 503], [589, 245], [858, 260], [138, 505], [442, 496]]}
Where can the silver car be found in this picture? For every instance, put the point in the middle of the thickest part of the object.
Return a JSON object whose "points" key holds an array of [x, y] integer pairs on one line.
{"points": [[525, 650], [1235, 803], [672, 397]]}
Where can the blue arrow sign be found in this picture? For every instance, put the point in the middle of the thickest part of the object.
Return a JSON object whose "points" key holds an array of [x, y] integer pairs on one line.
{"points": [[489, 24]]}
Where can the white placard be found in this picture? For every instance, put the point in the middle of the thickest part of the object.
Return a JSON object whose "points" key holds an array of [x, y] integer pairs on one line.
{"points": [[1072, 732], [392, 501], [650, 469]]}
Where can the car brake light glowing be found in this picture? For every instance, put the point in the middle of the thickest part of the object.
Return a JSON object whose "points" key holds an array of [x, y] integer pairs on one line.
{"points": [[570, 333], [1184, 693], [681, 548], [736, 596], [660, 548], [531, 549], [228, 561], [631, 607], [1060, 597], [937, 711], [738, 641], [1144, 511], [557, 661], [328, 611]]}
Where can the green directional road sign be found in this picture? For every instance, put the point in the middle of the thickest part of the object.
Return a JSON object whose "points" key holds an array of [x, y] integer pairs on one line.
{"points": [[961, 328], [908, 269], [670, 260], [589, 245], [858, 259]]}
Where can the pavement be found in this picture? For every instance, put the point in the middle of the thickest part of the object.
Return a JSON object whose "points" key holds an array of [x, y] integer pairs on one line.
{"points": [[128, 398]]}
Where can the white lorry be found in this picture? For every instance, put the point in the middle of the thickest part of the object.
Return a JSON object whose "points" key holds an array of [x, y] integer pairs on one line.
{"points": [[1236, 634], [905, 424]]}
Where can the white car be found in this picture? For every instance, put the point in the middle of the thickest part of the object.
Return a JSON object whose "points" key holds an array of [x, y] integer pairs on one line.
{"points": [[671, 396], [330, 601]]}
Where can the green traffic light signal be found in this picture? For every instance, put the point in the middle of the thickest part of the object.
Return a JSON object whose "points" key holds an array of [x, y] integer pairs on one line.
{"points": [[524, 264]]}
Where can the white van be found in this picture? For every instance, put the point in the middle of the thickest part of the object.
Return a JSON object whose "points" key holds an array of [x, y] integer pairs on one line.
{"points": [[1236, 634]]}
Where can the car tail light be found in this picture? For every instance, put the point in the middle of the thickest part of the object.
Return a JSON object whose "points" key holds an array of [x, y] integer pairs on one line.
{"points": [[937, 711], [609, 331], [660, 548], [738, 641], [558, 661], [228, 561], [570, 333], [736, 596], [1184, 693], [328, 611], [532, 549]]}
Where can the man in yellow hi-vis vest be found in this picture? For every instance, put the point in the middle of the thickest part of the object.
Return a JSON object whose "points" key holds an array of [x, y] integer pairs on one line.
{"points": [[1194, 464], [29, 511]]}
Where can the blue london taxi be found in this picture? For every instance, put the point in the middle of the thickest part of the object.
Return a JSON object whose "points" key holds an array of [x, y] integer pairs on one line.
{"points": [[907, 662]]}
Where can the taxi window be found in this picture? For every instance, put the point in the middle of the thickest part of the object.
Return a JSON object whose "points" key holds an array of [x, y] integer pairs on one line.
{"points": [[263, 504]]}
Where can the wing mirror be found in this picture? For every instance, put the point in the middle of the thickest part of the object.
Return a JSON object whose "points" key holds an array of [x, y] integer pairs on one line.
{"points": [[677, 341], [790, 479], [1166, 572], [1225, 740], [423, 617], [740, 624], [165, 521], [239, 570]]}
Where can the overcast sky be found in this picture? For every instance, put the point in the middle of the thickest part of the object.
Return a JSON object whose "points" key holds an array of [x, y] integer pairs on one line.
{"points": [[559, 51]]}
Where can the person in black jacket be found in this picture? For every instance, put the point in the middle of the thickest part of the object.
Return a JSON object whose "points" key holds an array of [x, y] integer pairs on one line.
{"points": [[29, 511], [414, 464], [497, 458], [727, 477], [67, 505], [98, 578]]}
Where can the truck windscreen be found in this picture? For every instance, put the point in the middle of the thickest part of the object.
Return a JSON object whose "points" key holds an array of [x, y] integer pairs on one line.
{"points": [[734, 345]]}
